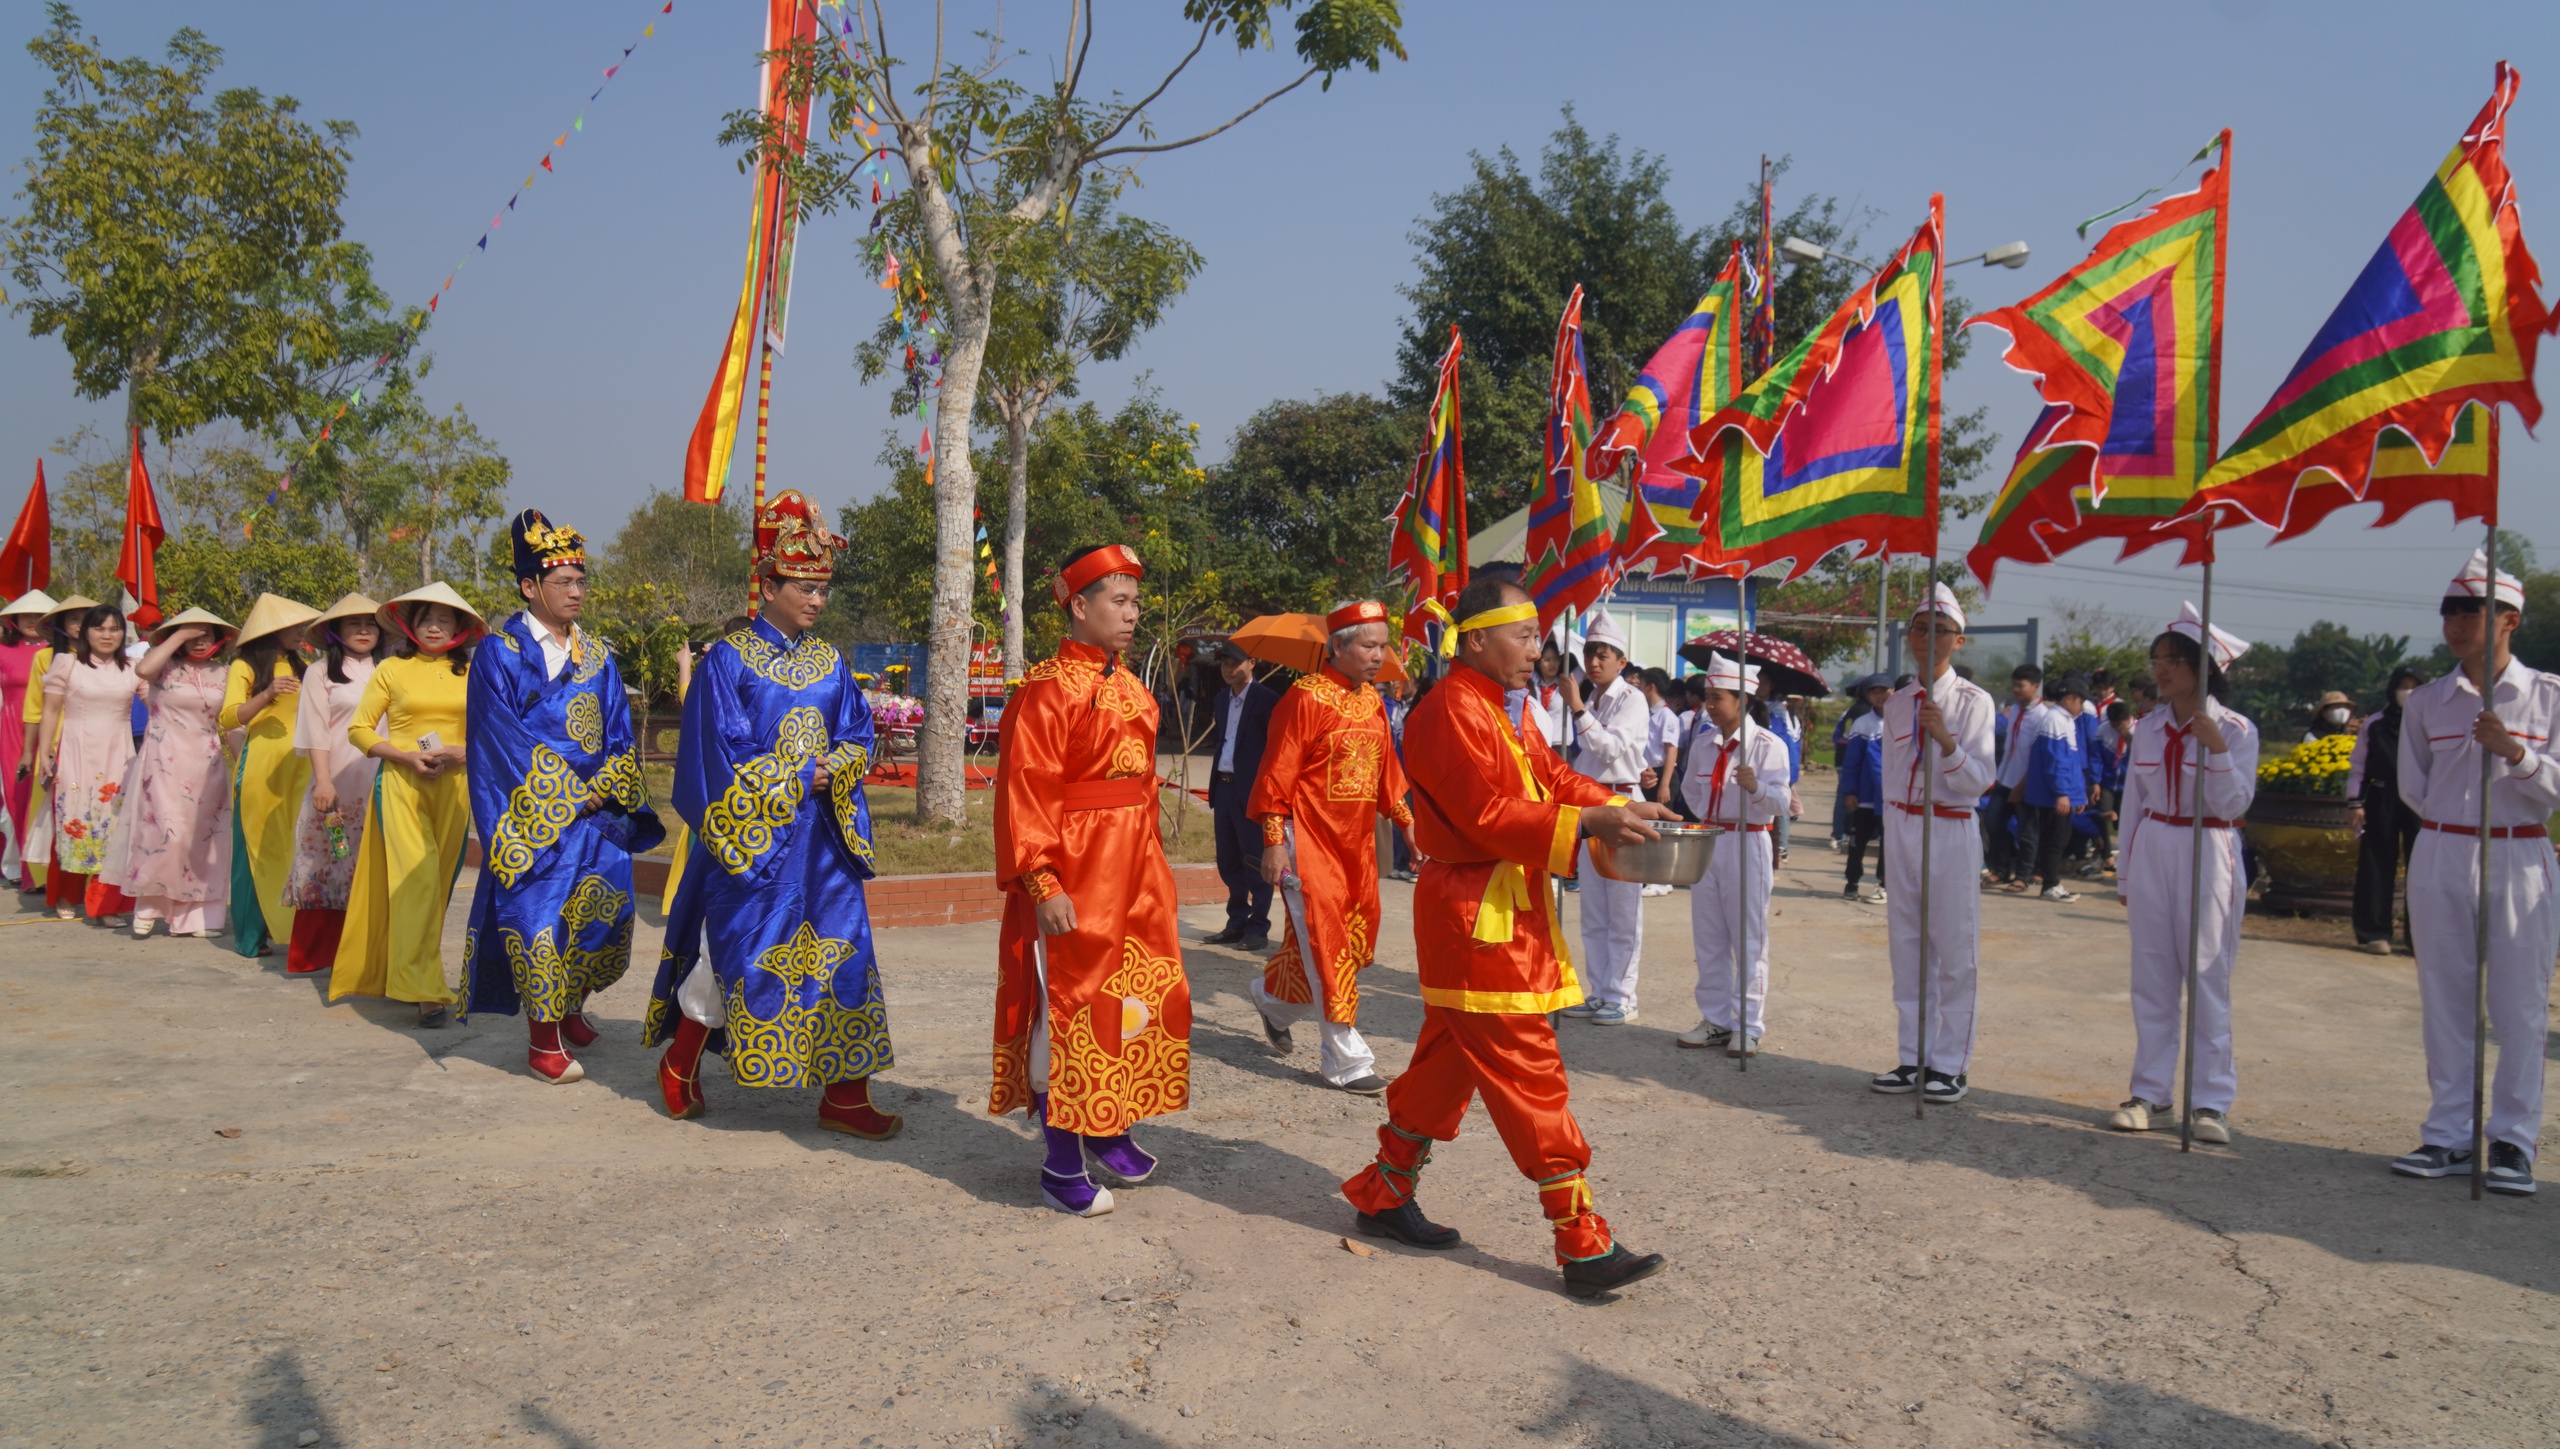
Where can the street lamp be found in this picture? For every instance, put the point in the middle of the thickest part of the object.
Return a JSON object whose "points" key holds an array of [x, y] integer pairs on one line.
{"points": [[2012, 256]]}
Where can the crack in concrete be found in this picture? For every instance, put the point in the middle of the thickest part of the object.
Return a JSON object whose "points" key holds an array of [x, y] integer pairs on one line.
{"points": [[2232, 1255]]}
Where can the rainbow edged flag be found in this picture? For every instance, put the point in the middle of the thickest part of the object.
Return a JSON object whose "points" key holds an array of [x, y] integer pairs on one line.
{"points": [[1837, 443], [2126, 349], [1695, 372], [763, 294], [1430, 544], [1571, 545], [2447, 314]]}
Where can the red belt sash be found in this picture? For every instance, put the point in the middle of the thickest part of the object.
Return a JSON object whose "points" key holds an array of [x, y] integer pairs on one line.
{"points": [[2185, 821], [2496, 832], [1117, 794], [1943, 812]]}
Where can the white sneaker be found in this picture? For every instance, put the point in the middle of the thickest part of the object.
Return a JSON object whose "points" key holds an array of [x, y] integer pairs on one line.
{"points": [[2133, 1116], [1657, 890], [1704, 1034], [1874, 897], [2057, 893], [2210, 1126]]}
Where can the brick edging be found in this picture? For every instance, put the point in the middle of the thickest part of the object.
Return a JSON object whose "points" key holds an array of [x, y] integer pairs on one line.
{"points": [[954, 899]]}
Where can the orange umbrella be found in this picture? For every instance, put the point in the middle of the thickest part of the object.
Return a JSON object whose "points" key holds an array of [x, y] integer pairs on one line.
{"points": [[1296, 641]]}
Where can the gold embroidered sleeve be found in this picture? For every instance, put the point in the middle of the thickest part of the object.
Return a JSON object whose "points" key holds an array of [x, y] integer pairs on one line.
{"points": [[764, 794], [1271, 829], [545, 804], [1401, 813], [1041, 884], [846, 765], [620, 783]]}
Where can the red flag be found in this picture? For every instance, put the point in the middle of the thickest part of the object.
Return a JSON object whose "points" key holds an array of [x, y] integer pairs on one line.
{"points": [[142, 536], [26, 561]]}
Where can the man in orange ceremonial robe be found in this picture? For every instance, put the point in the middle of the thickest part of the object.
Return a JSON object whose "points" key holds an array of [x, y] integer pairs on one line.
{"points": [[1328, 773], [1495, 816], [1093, 1017]]}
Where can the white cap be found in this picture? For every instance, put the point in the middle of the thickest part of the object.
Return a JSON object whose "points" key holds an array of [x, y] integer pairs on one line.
{"points": [[2466, 584], [1600, 628], [1942, 600], [2227, 646], [1731, 674]]}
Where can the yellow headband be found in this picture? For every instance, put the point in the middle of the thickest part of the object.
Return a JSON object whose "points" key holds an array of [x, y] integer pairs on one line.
{"points": [[1486, 619]]}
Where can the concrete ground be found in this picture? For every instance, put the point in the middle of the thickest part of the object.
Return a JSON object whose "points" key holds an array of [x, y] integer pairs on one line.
{"points": [[411, 1242]]}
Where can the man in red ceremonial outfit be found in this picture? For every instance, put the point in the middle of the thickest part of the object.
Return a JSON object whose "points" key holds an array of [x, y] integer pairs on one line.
{"points": [[1093, 1017], [1495, 816], [1328, 773]]}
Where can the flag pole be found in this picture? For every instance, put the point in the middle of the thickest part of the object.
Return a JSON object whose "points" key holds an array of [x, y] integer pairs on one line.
{"points": [[2480, 911], [1742, 851], [2195, 860], [1928, 670]]}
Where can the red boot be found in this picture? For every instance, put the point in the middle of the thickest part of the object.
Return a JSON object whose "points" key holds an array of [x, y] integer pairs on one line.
{"points": [[551, 1061], [680, 1070], [579, 1027], [846, 1107]]}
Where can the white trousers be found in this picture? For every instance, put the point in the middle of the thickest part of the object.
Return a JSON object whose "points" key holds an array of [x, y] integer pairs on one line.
{"points": [[2155, 881], [1955, 934], [1342, 1055], [2524, 936], [698, 996], [1612, 935], [1716, 919]]}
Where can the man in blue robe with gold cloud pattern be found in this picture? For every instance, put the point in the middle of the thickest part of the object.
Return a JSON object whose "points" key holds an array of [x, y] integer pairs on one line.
{"points": [[560, 805], [777, 738]]}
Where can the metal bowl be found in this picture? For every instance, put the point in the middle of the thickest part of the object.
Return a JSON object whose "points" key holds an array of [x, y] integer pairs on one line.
{"points": [[1677, 859]]}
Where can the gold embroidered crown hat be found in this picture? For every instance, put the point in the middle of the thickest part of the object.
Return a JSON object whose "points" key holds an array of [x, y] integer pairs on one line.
{"points": [[793, 540], [542, 545]]}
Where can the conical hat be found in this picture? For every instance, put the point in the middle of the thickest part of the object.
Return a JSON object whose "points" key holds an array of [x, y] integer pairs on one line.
{"points": [[350, 606], [438, 592], [33, 601], [274, 612], [204, 617], [76, 604]]}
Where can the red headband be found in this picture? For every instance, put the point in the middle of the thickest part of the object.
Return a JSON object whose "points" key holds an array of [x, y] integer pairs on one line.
{"points": [[1075, 578], [1367, 611]]}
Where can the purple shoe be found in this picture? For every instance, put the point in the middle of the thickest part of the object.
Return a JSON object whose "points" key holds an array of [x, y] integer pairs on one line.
{"points": [[1076, 1196], [1121, 1156]]}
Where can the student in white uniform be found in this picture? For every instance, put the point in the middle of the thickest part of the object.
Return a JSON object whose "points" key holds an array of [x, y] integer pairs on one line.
{"points": [[2443, 729], [1951, 717], [2156, 861], [1729, 769], [1610, 725]]}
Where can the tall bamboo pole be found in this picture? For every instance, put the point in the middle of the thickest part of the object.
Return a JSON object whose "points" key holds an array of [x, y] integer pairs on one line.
{"points": [[764, 420]]}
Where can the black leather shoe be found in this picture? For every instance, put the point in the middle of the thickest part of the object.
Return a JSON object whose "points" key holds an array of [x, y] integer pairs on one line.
{"points": [[1407, 1225], [1607, 1274], [1255, 944], [1227, 937], [1276, 1033]]}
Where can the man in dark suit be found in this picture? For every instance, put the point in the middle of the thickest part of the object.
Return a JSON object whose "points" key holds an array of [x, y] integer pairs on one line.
{"points": [[1239, 725]]}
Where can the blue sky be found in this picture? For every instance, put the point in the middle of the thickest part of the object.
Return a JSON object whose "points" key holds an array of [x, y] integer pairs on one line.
{"points": [[583, 341]]}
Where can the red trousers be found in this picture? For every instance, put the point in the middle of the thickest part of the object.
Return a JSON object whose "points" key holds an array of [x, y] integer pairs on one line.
{"points": [[1512, 1062], [315, 940]]}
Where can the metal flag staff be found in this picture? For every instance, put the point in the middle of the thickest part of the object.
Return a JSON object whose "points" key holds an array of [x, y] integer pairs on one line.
{"points": [[1742, 869], [2195, 862], [2480, 909], [1921, 744]]}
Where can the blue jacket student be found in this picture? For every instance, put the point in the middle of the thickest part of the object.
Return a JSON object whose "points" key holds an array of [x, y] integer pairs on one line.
{"points": [[2058, 769], [2094, 759], [1862, 762]]}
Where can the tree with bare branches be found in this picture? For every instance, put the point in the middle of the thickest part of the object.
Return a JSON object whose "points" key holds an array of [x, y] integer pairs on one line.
{"points": [[987, 161]]}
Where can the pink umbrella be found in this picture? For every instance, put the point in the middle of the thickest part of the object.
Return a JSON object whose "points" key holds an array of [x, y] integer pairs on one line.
{"points": [[1786, 667]]}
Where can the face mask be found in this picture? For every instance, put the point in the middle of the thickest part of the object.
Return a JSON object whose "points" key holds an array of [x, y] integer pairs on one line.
{"points": [[2334, 716]]}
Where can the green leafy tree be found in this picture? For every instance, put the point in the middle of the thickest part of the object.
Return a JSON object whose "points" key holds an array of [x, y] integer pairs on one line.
{"points": [[987, 161], [1297, 512], [2086, 638], [1499, 257], [1075, 292], [186, 249], [644, 624], [702, 556], [2276, 685]]}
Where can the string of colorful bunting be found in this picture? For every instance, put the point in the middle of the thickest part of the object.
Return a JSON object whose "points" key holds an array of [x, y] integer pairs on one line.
{"points": [[419, 319]]}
